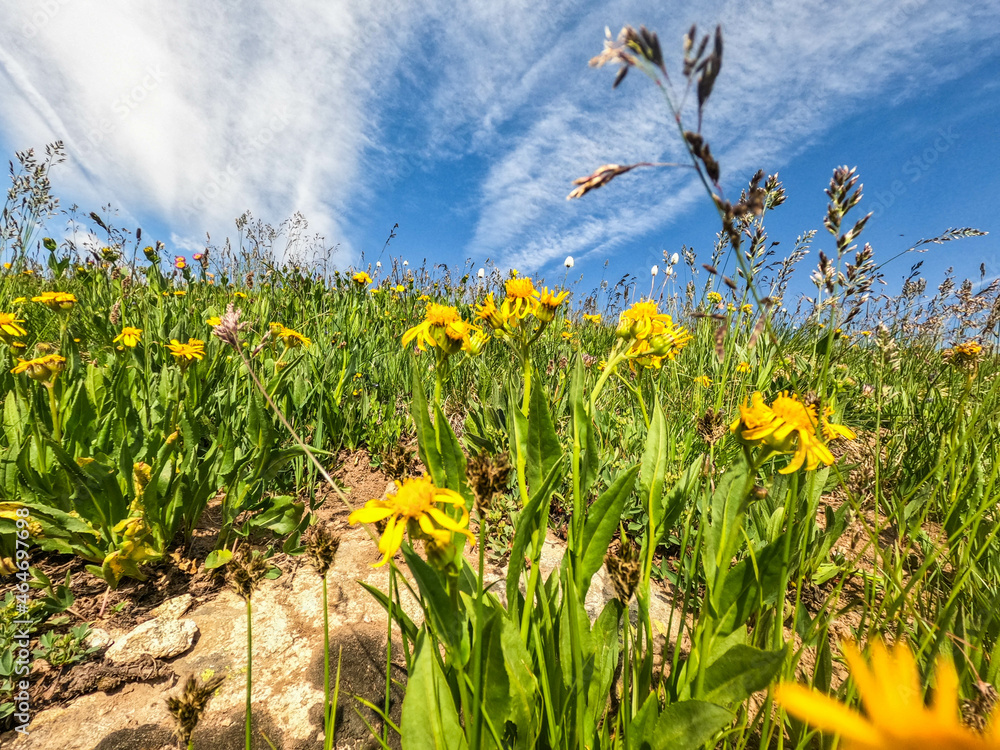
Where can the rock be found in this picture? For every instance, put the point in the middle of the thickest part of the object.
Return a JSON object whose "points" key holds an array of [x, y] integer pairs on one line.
{"points": [[98, 638], [172, 609], [161, 639]]}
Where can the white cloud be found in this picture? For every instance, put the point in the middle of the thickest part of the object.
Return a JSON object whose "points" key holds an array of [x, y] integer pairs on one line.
{"points": [[191, 113]]}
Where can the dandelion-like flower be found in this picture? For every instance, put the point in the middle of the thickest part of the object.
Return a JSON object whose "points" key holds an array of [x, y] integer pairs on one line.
{"points": [[292, 339], [9, 326], [213, 321], [57, 301], [521, 300], [704, 381], [743, 367], [964, 355], [489, 313], [187, 353], [896, 717], [569, 261], [361, 278], [592, 318], [128, 337], [414, 507], [788, 426]]}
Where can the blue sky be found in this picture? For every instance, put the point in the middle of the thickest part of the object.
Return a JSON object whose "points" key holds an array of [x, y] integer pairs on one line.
{"points": [[465, 123]]}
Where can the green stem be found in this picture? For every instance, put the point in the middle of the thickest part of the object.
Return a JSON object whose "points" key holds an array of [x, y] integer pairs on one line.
{"points": [[249, 671], [54, 410], [327, 708]]}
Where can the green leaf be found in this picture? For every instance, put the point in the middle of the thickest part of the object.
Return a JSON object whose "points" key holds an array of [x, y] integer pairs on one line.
{"points": [[583, 428], [752, 583], [602, 521], [426, 436], [430, 720], [739, 672], [654, 467], [543, 448], [452, 457], [530, 520], [281, 518], [448, 624], [688, 725], [217, 558]]}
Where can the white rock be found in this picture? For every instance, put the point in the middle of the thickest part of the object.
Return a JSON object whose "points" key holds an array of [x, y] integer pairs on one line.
{"points": [[159, 638]]}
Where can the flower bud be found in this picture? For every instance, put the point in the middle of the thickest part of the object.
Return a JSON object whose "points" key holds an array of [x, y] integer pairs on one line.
{"points": [[654, 270], [569, 261]]}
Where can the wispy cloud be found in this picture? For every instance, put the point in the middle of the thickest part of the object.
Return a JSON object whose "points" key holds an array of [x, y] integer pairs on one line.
{"points": [[192, 113]]}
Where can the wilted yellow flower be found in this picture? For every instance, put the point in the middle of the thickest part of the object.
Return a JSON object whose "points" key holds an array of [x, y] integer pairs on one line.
{"points": [[43, 369], [548, 302], [475, 343], [963, 355], [362, 278], [9, 326], [414, 507], [58, 301], [489, 313], [895, 717], [186, 353], [704, 381]]}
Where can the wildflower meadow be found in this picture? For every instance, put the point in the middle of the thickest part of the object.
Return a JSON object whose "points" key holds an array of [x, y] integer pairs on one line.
{"points": [[810, 483]]}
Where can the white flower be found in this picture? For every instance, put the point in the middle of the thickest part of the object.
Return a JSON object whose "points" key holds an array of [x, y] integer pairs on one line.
{"points": [[668, 271], [481, 272], [654, 270], [406, 262], [569, 261], [378, 264], [674, 258]]}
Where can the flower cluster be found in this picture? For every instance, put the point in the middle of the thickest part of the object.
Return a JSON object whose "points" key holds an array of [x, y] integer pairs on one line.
{"points": [[789, 426], [414, 507], [522, 301], [652, 335]]}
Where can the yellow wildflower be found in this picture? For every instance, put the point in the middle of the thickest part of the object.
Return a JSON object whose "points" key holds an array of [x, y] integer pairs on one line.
{"points": [[746, 309], [592, 318], [241, 295], [180, 293], [9, 325], [489, 313], [743, 367], [714, 297], [292, 339], [192, 350], [895, 717], [788, 426], [521, 300], [213, 321], [414, 506], [361, 278], [58, 301], [704, 381], [129, 336]]}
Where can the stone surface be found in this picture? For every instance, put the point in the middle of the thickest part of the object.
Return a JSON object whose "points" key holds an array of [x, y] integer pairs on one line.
{"points": [[161, 639], [98, 638], [172, 609]]}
